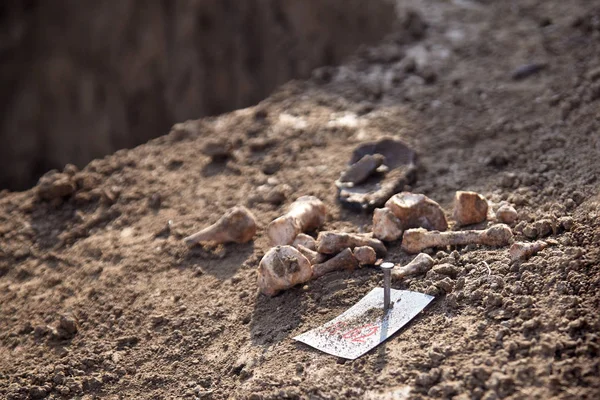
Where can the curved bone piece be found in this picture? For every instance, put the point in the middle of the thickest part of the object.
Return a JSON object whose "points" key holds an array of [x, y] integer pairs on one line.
{"points": [[329, 242], [345, 260], [522, 251], [365, 255], [415, 240], [237, 225], [419, 265], [305, 214], [281, 268]]}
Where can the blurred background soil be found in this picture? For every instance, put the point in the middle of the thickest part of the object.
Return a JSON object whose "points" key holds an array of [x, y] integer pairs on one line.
{"points": [[80, 80]]}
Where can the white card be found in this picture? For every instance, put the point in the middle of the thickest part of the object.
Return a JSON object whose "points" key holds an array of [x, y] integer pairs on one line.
{"points": [[365, 325]]}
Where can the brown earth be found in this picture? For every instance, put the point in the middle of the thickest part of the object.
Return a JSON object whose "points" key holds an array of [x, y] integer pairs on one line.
{"points": [[144, 317], [79, 81]]}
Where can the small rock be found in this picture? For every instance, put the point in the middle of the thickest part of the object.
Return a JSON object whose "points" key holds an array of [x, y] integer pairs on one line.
{"points": [[271, 167], [417, 211], [469, 208], [67, 327], [507, 214], [543, 227], [55, 185], [530, 231], [446, 269], [527, 70], [217, 149], [386, 226], [362, 169]]}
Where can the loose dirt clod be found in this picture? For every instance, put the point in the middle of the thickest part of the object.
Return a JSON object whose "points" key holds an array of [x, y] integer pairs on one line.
{"points": [[237, 225], [333, 242], [417, 211], [281, 268], [305, 240], [469, 208], [345, 260], [218, 149], [507, 214], [522, 251], [415, 240], [362, 169], [386, 226], [305, 214], [311, 255], [365, 255], [419, 265]]}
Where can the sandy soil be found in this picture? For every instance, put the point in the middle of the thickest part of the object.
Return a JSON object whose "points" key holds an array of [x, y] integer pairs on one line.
{"points": [[99, 297]]}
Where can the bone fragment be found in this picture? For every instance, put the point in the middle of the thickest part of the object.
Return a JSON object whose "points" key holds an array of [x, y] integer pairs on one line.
{"points": [[281, 268], [386, 226], [419, 265], [237, 225], [415, 240], [305, 240], [311, 255], [365, 255], [305, 214], [506, 214], [345, 260], [522, 251], [417, 211], [329, 242], [362, 169], [469, 208]]}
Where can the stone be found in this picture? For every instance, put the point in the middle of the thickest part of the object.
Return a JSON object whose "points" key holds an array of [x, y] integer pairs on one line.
{"points": [[386, 226], [507, 214], [469, 208], [417, 211]]}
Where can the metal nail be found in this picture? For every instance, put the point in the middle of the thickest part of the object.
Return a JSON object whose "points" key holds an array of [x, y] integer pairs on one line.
{"points": [[387, 282]]}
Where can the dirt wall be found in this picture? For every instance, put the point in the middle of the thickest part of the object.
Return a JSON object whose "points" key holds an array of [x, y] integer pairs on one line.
{"points": [[79, 80]]}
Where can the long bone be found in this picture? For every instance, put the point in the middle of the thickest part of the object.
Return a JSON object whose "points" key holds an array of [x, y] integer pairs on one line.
{"points": [[415, 240]]}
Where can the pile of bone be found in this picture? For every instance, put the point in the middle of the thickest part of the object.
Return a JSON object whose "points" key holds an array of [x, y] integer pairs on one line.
{"points": [[415, 219]]}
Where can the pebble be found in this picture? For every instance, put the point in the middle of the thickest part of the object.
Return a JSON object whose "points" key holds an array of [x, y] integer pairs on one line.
{"points": [[386, 226], [507, 214], [469, 208]]}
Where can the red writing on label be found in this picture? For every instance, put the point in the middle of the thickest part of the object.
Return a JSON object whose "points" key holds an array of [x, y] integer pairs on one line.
{"points": [[357, 335]]}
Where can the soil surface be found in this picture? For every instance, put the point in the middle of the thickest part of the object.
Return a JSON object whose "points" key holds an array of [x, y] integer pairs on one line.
{"points": [[99, 296]]}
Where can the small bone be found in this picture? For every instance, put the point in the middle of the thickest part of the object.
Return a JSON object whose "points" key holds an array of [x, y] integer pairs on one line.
{"points": [[305, 214], [281, 268], [522, 251], [362, 169], [506, 214], [365, 255], [305, 240], [417, 211], [419, 265], [469, 208], [415, 240], [334, 242], [311, 255], [386, 226], [237, 225], [345, 260]]}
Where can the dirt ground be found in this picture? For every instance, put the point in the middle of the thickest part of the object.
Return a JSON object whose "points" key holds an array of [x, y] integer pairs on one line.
{"points": [[99, 297]]}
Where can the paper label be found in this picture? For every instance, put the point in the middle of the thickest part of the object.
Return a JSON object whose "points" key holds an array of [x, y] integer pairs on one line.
{"points": [[365, 325]]}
